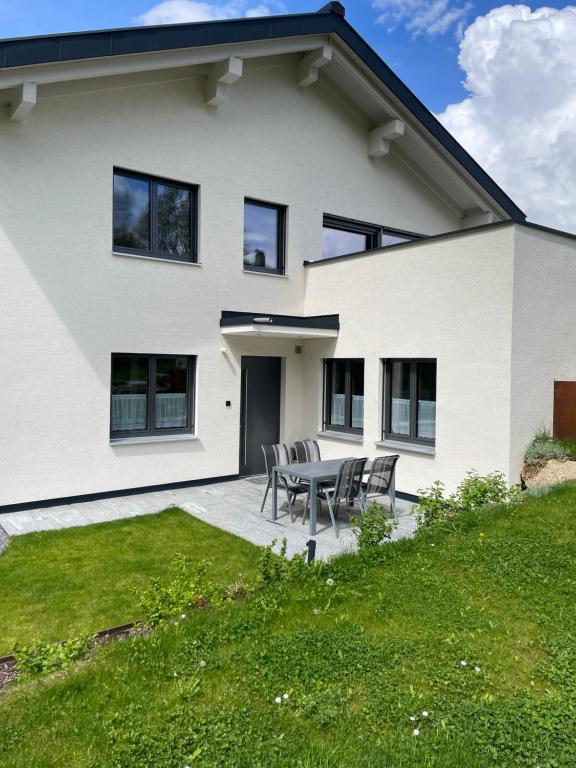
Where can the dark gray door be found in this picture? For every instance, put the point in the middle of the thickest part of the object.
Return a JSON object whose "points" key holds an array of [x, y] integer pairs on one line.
{"points": [[259, 411]]}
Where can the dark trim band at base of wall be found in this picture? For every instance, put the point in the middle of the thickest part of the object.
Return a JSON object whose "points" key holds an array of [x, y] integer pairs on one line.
{"points": [[111, 494], [134, 491]]}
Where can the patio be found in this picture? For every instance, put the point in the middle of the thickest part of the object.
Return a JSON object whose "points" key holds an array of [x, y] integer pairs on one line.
{"points": [[233, 506]]}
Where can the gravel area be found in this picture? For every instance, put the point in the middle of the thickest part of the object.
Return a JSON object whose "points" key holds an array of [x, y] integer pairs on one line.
{"points": [[4, 539], [7, 673]]}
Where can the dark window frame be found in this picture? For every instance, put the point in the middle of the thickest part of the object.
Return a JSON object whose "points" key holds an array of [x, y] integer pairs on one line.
{"points": [[387, 434], [375, 233], [152, 431], [153, 251], [280, 237], [347, 428]]}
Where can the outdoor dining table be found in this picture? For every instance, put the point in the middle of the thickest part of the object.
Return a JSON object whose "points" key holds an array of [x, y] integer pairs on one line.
{"points": [[312, 472]]}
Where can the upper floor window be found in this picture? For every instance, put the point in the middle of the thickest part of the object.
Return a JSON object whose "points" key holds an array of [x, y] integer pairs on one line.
{"points": [[154, 217], [151, 395], [264, 237], [343, 236], [344, 395], [410, 400]]}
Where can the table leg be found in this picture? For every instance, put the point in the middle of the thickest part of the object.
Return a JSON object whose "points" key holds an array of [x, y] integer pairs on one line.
{"points": [[313, 507], [274, 494]]}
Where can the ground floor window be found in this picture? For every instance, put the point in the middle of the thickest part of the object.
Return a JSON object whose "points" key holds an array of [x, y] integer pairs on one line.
{"points": [[151, 395], [410, 400], [344, 395]]}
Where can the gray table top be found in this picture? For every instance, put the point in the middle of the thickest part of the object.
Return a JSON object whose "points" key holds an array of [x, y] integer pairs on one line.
{"points": [[316, 470]]}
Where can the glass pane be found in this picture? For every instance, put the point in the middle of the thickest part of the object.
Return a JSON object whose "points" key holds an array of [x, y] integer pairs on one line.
{"points": [[261, 236], [338, 242], [427, 400], [131, 212], [171, 393], [174, 220], [338, 393], [400, 411], [357, 392], [391, 239], [129, 393]]}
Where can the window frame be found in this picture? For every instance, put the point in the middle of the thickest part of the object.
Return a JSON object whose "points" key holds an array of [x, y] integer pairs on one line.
{"points": [[152, 431], [153, 251], [280, 237], [346, 428], [374, 232], [387, 434]]}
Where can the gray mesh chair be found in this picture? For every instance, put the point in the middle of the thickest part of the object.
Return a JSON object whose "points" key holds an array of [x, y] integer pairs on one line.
{"points": [[275, 456], [307, 450], [348, 486], [381, 482]]}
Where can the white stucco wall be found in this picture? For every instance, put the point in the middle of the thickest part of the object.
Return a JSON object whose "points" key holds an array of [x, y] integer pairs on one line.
{"points": [[68, 303], [544, 332], [449, 299]]}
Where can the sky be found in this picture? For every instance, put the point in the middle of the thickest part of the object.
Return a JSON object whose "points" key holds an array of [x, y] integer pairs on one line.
{"points": [[501, 77]]}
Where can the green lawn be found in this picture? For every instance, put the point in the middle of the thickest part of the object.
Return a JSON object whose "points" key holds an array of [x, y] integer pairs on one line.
{"points": [[56, 584], [357, 660]]}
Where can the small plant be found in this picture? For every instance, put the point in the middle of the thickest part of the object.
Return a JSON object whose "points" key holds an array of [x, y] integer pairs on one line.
{"points": [[372, 528], [278, 569], [545, 447], [40, 656], [474, 491]]}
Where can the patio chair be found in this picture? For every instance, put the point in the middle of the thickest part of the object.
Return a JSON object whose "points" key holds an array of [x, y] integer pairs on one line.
{"points": [[381, 482], [307, 450], [348, 486], [275, 456]]}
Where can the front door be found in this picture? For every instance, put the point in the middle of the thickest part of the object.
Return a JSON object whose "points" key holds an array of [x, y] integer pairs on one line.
{"points": [[259, 411]]}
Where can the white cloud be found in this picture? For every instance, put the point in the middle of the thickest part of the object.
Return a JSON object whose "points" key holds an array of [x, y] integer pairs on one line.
{"points": [[430, 17], [519, 121], [182, 11]]}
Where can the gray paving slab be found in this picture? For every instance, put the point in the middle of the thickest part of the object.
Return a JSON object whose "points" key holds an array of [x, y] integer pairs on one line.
{"points": [[233, 506]]}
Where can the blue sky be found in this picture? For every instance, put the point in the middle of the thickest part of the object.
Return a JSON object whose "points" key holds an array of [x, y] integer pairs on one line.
{"points": [[428, 63]]}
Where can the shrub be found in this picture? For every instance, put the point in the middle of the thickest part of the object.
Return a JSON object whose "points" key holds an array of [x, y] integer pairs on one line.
{"points": [[545, 447], [474, 491], [41, 656], [372, 528]]}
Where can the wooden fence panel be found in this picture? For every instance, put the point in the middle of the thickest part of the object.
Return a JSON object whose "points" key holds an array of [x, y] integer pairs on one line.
{"points": [[565, 410]]}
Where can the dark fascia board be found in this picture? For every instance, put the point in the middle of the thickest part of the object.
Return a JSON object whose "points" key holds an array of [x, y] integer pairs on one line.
{"points": [[74, 46], [425, 239], [326, 322]]}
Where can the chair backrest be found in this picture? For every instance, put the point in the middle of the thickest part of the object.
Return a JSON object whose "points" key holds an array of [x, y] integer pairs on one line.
{"points": [[275, 456], [306, 450], [381, 475], [349, 479]]}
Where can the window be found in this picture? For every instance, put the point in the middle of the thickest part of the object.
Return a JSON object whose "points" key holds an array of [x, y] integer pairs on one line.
{"points": [[343, 236], [344, 395], [151, 395], [264, 236], [154, 217], [410, 400]]}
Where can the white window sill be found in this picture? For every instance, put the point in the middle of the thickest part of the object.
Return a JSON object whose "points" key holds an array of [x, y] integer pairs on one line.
{"points": [[264, 274], [153, 439], [400, 445], [157, 258], [347, 437]]}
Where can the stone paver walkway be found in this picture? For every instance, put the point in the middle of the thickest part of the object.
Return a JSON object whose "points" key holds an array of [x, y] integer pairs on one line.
{"points": [[233, 506]]}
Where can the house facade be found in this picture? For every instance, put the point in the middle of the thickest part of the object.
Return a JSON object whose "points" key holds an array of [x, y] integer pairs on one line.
{"points": [[218, 235]]}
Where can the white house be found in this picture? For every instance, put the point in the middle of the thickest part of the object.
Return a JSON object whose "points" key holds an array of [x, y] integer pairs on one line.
{"points": [[218, 235]]}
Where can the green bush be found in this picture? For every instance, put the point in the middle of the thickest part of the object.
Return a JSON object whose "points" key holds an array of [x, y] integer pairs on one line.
{"points": [[545, 447], [41, 656], [474, 491], [372, 528]]}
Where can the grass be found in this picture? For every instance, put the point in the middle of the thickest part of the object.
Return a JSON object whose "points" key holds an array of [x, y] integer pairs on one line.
{"points": [[496, 589], [56, 584]]}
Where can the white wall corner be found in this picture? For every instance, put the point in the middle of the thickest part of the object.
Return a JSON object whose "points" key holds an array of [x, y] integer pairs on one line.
{"points": [[23, 102], [309, 67], [476, 218], [221, 78], [379, 139]]}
